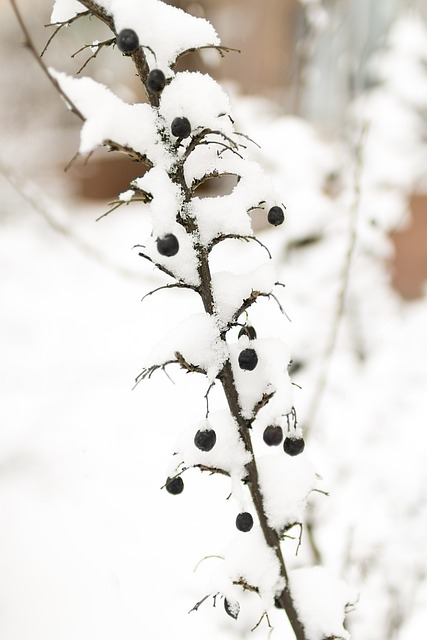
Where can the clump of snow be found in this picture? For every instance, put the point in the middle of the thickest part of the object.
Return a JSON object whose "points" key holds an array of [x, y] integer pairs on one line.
{"points": [[255, 563], [270, 375], [229, 214], [183, 265], [228, 454], [167, 199], [197, 340], [401, 63], [64, 10], [204, 161], [165, 31], [109, 118], [231, 289], [320, 600], [208, 111], [286, 482], [126, 196]]}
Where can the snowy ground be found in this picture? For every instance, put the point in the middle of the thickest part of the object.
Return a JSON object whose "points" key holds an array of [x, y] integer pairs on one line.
{"points": [[90, 546]]}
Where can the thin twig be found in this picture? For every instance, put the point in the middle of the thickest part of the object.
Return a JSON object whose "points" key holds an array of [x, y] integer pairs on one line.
{"points": [[35, 202], [28, 42], [175, 285], [345, 277], [207, 558], [197, 605], [59, 26], [99, 46], [212, 384], [236, 236]]}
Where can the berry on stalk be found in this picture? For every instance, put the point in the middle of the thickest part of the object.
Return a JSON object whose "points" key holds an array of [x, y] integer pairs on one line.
{"points": [[244, 521], [127, 41], [156, 81], [248, 359], [168, 245], [293, 446], [175, 486], [205, 439], [273, 435], [276, 216], [181, 127]]}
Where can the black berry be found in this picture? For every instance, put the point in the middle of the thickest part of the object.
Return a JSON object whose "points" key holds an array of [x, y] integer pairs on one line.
{"points": [[205, 440], [168, 245], [181, 127], [127, 41], [232, 608], [276, 216], [244, 521], [248, 359], [175, 486], [248, 331], [156, 81], [273, 435], [293, 446]]}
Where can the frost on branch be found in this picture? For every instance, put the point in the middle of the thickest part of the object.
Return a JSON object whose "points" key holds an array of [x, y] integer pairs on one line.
{"points": [[183, 137]]}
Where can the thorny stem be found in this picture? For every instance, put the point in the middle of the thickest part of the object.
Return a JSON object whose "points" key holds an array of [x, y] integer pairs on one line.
{"points": [[229, 386], [226, 376]]}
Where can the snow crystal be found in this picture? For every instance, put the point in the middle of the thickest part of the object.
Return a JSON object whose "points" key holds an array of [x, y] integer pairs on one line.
{"points": [[109, 118], [285, 482], [228, 454], [231, 289], [320, 600], [270, 375], [209, 110], [64, 10], [197, 340]]}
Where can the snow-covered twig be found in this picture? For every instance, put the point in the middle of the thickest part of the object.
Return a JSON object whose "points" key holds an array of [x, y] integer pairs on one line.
{"points": [[175, 136]]}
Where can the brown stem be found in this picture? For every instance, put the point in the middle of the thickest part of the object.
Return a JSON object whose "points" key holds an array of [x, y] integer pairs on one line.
{"points": [[228, 383], [138, 57]]}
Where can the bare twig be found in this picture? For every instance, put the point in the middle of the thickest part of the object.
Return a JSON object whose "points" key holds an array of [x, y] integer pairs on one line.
{"points": [[175, 285], [207, 558], [28, 42], [197, 605], [344, 277], [98, 46], [35, 200], [59, 26], [236, 236], [221, 50]]}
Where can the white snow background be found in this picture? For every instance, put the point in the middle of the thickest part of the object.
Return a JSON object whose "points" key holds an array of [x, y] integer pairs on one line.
{"points": [[90, 547]]}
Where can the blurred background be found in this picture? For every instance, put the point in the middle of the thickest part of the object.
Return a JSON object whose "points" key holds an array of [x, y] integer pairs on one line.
{"points": [[311, 59], [335, 94]]}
